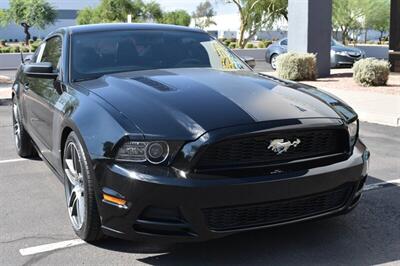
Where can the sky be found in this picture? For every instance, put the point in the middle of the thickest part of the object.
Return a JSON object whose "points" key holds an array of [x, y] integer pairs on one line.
{"points": [[189, 5]]}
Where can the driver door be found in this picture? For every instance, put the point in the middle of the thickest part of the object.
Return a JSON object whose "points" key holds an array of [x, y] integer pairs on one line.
{"points": [[42, 97]]}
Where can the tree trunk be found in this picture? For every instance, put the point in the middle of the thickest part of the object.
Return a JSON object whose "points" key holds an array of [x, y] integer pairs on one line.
{"points": [[365, 35], [344, 35], [27, 34], [246, 40], [241, 34]]}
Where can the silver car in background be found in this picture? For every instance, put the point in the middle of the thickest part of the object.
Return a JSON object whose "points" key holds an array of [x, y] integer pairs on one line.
{"points": [[340, 55]]}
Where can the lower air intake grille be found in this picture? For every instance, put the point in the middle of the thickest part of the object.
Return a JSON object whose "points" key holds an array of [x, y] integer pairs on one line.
{"points": [[245, 216]]}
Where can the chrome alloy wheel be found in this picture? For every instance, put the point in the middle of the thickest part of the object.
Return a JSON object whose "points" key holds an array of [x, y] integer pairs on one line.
{"points": [[273, 61], [16, 126], [74, 186]]}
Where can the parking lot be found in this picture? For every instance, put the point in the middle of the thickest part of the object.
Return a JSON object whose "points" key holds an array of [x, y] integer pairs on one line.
{"points": [[33, 214]]}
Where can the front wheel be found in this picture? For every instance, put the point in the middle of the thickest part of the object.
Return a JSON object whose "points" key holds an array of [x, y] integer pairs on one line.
{"points": [[273, 61], [22, 140], [79, 191]]}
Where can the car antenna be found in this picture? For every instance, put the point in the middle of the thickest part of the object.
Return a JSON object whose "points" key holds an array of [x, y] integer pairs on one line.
{"points": [[22, 57]]}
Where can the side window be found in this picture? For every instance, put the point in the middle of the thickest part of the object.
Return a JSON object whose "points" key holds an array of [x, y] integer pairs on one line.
{"points": [[38, 53], [52, 52]]}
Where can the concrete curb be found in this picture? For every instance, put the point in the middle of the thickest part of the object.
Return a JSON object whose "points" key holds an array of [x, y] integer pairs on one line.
{"points": [[372, 107], [379, 119], [5, 93]]}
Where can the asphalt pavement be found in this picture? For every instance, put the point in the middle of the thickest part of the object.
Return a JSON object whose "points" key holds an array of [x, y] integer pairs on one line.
{"points": [[33, 213]]}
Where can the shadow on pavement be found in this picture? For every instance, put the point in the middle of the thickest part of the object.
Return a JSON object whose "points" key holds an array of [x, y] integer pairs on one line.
{"points": [[5, 102]]}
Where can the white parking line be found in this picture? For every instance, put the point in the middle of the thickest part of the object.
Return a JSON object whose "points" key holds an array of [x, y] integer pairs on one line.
{"points": [[13, 160], [389, 183], [50, 247]]}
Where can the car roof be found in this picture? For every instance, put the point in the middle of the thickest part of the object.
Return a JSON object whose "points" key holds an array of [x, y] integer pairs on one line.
{"points": [[127, 26]]}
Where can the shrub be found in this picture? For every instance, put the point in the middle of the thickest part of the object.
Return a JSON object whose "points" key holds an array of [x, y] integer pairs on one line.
{"points": [[261, 45], [3, 43], [5, 50], [297, 66], [267, 43], [14, 49], [371, 72], [226, 43], [232, 45], [34, 45], [249, 45], [24, 49]]}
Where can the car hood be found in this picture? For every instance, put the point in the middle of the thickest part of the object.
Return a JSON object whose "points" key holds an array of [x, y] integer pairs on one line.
{"points": [[342, 48], [186, 103]]}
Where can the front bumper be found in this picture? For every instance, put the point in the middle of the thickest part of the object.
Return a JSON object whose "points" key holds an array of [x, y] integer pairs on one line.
{"points": [[162, 206], [342, 60]]}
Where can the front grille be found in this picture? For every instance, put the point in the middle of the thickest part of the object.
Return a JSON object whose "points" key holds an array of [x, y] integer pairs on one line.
{"points": [[355, 55], [253, 151], [238, 217]]}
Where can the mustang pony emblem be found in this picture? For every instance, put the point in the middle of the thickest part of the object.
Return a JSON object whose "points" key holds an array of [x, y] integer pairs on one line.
{"points": [[279, 146]]}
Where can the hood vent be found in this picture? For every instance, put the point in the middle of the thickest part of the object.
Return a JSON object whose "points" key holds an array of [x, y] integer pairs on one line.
{"points": [[153, 83]]}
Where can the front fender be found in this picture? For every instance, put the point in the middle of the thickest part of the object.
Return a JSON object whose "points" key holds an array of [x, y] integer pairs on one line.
{"points": [[98, 126]]}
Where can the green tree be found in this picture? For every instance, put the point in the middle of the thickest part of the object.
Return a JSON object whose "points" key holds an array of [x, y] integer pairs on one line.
{"points": [[204, 14], [379, 17], [177, 17], [256, 15], [114, 10], [349, 16], [28, 13], [118, 11], [88, 15], [152, 12]]}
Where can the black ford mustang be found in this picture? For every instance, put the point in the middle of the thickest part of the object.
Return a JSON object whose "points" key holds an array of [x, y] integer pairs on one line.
{"points": [[161, 132]]}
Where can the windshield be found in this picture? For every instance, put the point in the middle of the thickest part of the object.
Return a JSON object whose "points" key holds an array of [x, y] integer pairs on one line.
{"points": [[97, 53], [335, 43]]}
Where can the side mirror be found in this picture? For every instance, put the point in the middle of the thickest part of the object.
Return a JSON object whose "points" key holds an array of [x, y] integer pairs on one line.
{"points": [[250, 61], [27, 59], [42, 70]]}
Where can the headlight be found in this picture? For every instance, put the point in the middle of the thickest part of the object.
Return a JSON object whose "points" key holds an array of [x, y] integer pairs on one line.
{"points": [[157, 152], [353, 131], [341, 53], [154, 152]]}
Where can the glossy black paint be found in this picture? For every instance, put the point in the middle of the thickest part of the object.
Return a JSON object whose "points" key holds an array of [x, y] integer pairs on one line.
{"points": [[194, 108]]}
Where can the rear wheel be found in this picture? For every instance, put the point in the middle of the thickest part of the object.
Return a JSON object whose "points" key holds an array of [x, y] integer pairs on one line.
{"points": [[22, 140], [79, 191], [273, 61]]}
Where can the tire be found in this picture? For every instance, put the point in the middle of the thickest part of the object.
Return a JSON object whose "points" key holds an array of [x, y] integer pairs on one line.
{"points": [[272, 61], [79, 183], [22, 140]]}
